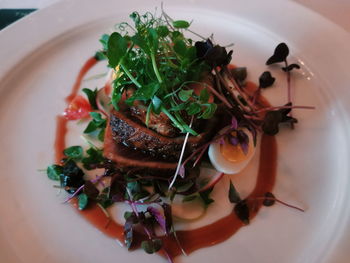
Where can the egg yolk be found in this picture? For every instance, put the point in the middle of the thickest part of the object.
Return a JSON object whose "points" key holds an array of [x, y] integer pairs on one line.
{"points": [[233, 153]]}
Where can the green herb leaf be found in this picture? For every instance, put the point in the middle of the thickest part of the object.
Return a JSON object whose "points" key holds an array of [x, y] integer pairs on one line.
{"points": [[162, 31], [101, 135], [74, 152], [145, 92], [117, 46], [209, 111], [194, 108], [179, 107], [153, 39], [139, 41], [151, 246], [205, 196], [180, 47], [184, 187], [136, 190], [266, 80], [91, 127], [103, 199], [233, 194], [242, 211], [156, 103], [116, 96], [181, 24], [192, 54], [82, 201], [184, 95], [280, 54], [54, 171], [100, 55], [91, 95], [156, 59], [97, 124], [204, 95], [104, 41], [269, 200], [189, 198], [97, 117], [72, 176]]}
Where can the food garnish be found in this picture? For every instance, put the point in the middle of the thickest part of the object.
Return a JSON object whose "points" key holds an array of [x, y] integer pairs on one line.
{"points": [[174, 117]]}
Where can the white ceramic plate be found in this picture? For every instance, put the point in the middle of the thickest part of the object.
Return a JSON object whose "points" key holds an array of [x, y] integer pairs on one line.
{"points": [[40, 57]]}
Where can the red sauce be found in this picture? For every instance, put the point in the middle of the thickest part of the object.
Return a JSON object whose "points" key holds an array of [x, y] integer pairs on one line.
{"points": [[107, 88], [214, 233], [190, 240], [61, 121], [224, 228], [98, 218], [60, 139], [86, 67]]}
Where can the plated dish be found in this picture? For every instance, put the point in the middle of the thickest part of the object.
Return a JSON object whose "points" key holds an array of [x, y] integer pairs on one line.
{"points": [[318, 205], [173, 118]]}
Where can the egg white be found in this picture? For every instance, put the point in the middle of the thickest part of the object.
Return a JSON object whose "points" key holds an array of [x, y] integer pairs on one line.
{"points": [[225, 166]]}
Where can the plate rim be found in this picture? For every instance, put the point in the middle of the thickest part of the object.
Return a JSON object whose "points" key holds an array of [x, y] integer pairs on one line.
{"points": [[34, 20]]}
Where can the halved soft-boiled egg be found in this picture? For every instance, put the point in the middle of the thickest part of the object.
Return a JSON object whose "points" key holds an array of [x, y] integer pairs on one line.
{"points": [[230, 158]]}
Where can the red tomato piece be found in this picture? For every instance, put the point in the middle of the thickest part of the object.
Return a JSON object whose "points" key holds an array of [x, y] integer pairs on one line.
{"points": [[77, 109]]}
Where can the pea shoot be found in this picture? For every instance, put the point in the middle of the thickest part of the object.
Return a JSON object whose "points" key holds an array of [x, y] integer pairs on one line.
{"points": [[159, 64]]}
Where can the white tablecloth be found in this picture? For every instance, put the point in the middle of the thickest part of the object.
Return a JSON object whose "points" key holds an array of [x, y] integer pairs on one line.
{"points": [[335, 10]]}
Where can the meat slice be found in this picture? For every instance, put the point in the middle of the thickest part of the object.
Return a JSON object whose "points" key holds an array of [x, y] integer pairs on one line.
{"points": [[128, 131], [126, 158]]}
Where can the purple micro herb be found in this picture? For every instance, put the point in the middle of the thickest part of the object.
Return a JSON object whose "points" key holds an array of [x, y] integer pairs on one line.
{"points": [[182, 171], [234, 140], [245, 148], [159, 217], [234, 123]]}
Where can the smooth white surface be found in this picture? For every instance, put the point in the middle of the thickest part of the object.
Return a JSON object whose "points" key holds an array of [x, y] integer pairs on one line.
{"points": [[313, 160], [335, 10]]}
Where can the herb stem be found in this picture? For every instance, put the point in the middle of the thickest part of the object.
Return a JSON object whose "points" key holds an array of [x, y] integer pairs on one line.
{"points": [[289, 96], [219, 96], [134, 209], [217, 82], [176, 122], [229, 89], [284, 107], [155, 68], [131, 77], [238, 88], [178, 241], [97, 179], [170, 260], [252, 118], [172, 118], [167, 17], [278, 201]]}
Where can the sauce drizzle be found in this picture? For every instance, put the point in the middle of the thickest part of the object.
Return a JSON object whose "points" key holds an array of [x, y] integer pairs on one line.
{"points": [[190, 240]]}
